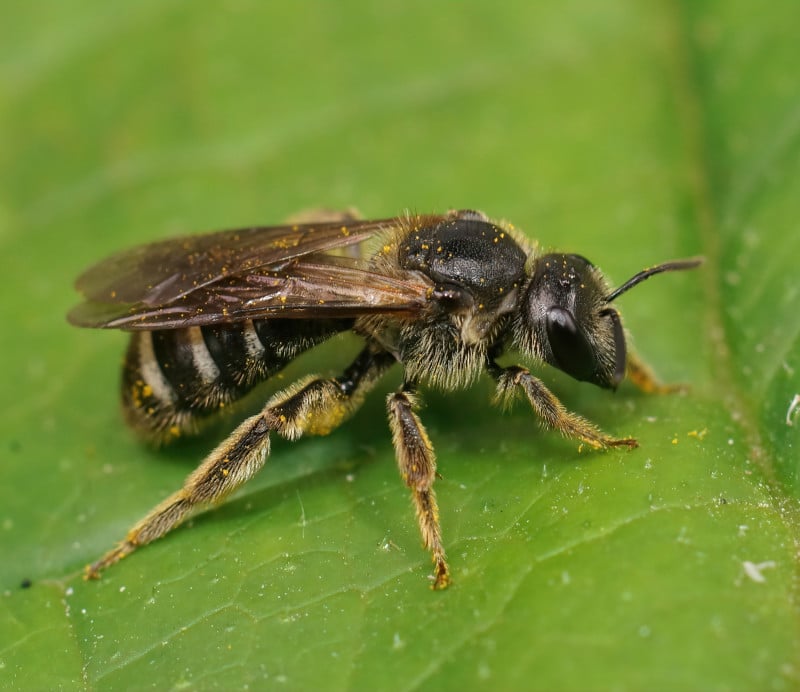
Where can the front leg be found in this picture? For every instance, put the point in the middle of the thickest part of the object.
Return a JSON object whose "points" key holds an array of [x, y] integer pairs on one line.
{"points": [[417, 464], [547, 406], [642, 376]]}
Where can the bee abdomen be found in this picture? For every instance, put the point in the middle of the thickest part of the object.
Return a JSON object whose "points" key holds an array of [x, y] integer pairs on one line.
{"points": [[175, 378]]}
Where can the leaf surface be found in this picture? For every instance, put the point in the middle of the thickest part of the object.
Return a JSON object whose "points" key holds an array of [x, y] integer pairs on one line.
{"points": [[630, 133]]}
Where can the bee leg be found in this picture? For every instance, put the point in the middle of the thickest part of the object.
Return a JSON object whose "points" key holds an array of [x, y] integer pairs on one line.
{"points": [[232, 463], [313, 406], [417, 464], [642, 376], [547, 406]]}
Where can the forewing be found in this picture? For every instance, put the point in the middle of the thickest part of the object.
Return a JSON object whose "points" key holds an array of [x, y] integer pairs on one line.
{"points": [[320, 286], [160, 273]]}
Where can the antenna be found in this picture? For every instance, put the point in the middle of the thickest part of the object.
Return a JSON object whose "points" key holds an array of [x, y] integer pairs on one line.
{"points": [[676, 265]]}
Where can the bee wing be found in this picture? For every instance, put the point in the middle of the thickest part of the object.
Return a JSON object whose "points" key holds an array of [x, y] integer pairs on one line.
{"points": [[321, 286], [160, 273], [257, 273]]}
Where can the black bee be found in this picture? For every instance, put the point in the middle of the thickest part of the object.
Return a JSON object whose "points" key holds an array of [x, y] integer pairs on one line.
{"points": [[441, 295]]}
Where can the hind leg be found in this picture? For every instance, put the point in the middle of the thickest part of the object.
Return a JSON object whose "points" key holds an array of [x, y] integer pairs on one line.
{"points": [[313, 406]]}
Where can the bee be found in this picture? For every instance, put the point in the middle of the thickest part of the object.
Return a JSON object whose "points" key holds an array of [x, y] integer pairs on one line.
{"points": [[442, 296]]}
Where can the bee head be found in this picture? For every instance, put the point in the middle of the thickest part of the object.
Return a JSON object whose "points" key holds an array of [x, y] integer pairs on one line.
{"points": [[566, 318]]}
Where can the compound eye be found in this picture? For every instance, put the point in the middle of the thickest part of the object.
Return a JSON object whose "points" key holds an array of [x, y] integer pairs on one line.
{"points": [[571, 350], [620, 350]]}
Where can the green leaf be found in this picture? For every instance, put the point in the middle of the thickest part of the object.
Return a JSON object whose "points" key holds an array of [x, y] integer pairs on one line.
{"points": [[629, 132]]}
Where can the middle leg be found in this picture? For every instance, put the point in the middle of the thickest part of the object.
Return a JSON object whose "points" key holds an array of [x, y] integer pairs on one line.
{"points": [[417, 464]]}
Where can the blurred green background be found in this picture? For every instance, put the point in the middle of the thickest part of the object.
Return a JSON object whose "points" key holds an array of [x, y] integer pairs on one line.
{"points": [[629, 132]]}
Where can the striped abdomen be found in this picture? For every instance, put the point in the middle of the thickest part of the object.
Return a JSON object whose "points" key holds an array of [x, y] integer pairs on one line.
{"points": [[174, 378]]}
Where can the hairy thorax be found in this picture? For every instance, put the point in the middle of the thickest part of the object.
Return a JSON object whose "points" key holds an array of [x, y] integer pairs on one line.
{"points": [[477, 269]]}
